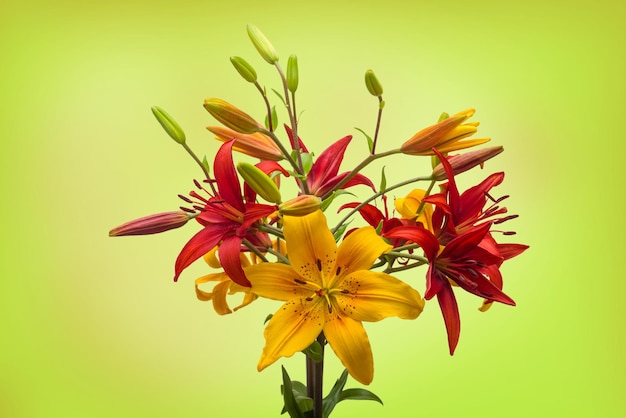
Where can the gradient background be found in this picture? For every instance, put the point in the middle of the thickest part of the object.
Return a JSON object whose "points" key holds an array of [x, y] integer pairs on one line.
{"points": [[94, 327]]}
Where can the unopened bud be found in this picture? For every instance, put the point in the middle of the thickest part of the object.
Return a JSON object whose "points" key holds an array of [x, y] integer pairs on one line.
{"points": [[244, 69], [262, 45], [168, 123], [152, 224], [260, 182], [464, 162], [255, 145], [301, 205], [372, 84], [231, 117], [292, 73]]}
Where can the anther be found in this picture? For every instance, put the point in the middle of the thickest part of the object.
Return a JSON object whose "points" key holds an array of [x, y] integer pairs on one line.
{"points": [[299, 281], [319, 264]]}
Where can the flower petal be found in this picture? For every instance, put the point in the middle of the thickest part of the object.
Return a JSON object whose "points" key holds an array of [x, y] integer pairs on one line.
{"points": [[450, 311], [292, 328], [275, 281], [349, 341], [226, 176], [229, 252], [359, 250], [196, 247], [372, 296], [327, 164], [419, 235], [312, 247]]}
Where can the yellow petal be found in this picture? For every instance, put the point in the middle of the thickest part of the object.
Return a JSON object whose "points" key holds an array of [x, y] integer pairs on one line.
{"points": [[219, 298], [454, 146], [312, 248], [215, 277], [349, 341], [359, 251], [372, 296], [292, 328], [248, 298], [211, 259], [275, 281]]}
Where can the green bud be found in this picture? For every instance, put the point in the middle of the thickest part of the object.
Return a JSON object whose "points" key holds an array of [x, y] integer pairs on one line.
{"points": [[244, 69], [168, 123], [262, 45], [259, 182], [292, 73], [372, 83], [301, 205]]}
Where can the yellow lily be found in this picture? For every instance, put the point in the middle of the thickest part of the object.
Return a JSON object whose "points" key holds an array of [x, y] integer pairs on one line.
{"points": [[330, 290], [407, 207]]}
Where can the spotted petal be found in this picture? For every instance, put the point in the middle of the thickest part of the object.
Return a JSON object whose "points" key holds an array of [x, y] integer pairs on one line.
{"points": [[275, 281], [359, 250]]}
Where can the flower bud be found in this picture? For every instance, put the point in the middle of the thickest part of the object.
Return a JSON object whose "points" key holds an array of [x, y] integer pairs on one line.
{"points": [[262, 45], [231, 117], [260, 182], [255, 145], [464, 162], [152, 224], [301, 205], [244, 69], [292, 73], [168, 123], [445, 135], [372, 84]]}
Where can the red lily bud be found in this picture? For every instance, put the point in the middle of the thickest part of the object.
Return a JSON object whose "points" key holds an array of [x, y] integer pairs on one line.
{"points": [[464, 162], [152, 224]]}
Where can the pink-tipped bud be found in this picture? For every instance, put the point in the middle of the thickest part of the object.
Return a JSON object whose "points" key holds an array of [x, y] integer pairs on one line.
{"points": [[152, 224], [231, 117], [464, 162], [255, 145], [301, 205]]}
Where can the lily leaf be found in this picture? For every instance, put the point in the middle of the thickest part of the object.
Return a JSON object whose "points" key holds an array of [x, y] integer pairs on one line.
{"points": [[359, 394], [291, 405], [383, 181], [280, 96], [274, 119], [338, 233], [314, 351], [333, 397], [370, 141], [326, 203]]}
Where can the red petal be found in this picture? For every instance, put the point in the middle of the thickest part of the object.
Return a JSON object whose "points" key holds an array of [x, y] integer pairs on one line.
{"points": [[473, 199], [290, 135], [196, 247], [452, 190], [419, 235], [511, 250], [369, 213], [226, 176], [450, 311], [326, 166], [229, 258]]}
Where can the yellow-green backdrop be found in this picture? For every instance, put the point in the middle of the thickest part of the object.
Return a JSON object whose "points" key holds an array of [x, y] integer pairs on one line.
{"points": [[93, 326]]}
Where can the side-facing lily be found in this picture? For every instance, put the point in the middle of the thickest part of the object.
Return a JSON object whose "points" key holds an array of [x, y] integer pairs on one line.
{"points": [[226, 219], [324, 175], [329, 289]]}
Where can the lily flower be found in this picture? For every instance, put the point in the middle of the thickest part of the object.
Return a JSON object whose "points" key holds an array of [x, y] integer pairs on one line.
{"points": [[407, 207], [329, 289], [462, 262], [226, 219], [324, 175]]}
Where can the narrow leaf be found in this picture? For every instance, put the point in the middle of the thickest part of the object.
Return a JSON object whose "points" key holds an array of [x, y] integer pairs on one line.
{"points": [[333, 397], [291, 406], [280, 96], [383, 181], [360, 395], [314, 351], [370, 141]]}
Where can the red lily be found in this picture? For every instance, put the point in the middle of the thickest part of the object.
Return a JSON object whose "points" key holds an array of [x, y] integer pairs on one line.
{"points": [[462, 261], [323, 177], [226, 218]]}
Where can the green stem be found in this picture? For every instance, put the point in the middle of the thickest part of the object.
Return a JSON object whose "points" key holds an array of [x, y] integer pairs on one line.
{"points": [[361, 166], [420, 208], [390, 269], [267, 106], [254, 249], [380, 115], [315, 379], [376, 195], [197, 160], [399, 254]]}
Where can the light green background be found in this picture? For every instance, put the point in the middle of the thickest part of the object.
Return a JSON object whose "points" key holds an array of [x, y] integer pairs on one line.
{"points": [[93, 326]]}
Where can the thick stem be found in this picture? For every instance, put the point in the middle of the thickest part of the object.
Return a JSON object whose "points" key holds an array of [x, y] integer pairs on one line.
{"points": [[315, 379]]}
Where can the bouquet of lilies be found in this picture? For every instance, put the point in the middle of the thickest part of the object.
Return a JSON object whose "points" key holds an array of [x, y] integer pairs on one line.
{"points": [[332, 278]]}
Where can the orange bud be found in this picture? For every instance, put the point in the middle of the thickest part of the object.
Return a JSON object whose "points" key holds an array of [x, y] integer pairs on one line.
{"points": [[301, 205], [255, 145], [464, 162], [231, 117]]}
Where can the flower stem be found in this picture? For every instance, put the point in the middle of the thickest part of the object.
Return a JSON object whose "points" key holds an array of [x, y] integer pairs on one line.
{"points": [[380, 114], [315, 379]]}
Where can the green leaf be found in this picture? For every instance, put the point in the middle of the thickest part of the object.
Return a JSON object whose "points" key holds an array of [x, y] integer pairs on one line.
{"points": [[280, 96], [307, 161], [291, 405], [360, 395], [338, 233], [383, 181], [326, 203], [314, 351], [274, 119], [205, 164], [333, 397], [370, 141]]}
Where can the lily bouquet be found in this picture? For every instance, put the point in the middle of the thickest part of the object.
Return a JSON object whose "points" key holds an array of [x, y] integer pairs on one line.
{"points": [[332, 278]]}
